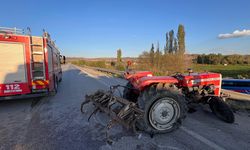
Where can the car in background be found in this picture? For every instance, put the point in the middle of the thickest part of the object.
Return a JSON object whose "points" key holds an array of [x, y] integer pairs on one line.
{"points": [[237, 85]]}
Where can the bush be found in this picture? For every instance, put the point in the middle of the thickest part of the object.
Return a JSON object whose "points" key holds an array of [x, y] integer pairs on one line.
{"points": [[112, 63], [99, 64], [79, 62], [120, 67], [163, 64]]}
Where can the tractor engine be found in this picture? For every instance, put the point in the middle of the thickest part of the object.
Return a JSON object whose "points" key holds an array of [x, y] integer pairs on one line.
{"points": [[197, 93], [196, 86]]}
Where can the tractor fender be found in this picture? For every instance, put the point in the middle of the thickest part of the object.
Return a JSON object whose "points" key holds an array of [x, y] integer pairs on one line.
{"points": [[144, 82], [133, 75]]}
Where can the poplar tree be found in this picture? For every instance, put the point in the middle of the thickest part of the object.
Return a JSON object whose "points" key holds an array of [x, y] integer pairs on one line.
{"points": [[181, 39], [157, 55], [119, 56], [171, 40], [158, 48], [166, 48], [175, 46], [152, 54]]}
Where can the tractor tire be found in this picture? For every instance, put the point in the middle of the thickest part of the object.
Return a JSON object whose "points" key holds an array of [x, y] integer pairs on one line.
{"points": [[221, 109], [129, 94], [164, 110]]}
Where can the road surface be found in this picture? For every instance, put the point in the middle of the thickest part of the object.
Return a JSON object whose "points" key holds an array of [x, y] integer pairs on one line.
{"points": [[55, 122]]}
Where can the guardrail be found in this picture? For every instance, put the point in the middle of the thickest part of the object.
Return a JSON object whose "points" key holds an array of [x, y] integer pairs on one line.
{"points": [[109, 71], [236, 95]]}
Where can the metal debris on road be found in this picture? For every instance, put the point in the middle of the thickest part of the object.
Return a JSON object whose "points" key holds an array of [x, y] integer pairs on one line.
{"points": [[120, 110]]}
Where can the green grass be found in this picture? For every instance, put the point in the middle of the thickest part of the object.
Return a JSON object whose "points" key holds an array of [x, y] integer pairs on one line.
{"points": [[235, 71]]}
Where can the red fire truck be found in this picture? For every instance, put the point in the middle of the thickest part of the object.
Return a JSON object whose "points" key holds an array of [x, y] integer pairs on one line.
{"points": [[29, 65]]}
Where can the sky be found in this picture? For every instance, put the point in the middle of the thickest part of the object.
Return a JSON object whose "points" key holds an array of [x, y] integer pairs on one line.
{"points": [[97, 28]]}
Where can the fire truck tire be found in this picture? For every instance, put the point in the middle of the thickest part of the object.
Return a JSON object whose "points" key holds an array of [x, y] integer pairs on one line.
{"points": [[60, 80], [55, 85], [54, 91], [164, 111], [221, 110], [129, 94]]}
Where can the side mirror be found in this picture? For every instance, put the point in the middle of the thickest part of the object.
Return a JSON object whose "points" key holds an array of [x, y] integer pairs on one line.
{"points": [[62, 59]]}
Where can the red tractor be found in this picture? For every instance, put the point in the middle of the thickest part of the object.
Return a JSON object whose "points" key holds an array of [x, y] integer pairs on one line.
{"points": [[158, 104], [165, 99]]}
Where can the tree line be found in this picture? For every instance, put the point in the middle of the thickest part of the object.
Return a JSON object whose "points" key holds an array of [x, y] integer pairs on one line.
{"points": [[168, 60], [216, 59]]}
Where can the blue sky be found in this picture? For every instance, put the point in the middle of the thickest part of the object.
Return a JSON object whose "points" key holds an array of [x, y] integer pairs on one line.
{"points": [[97, 28]]}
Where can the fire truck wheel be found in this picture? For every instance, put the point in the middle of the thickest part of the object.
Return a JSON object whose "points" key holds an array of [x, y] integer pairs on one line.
{"points": [[164, 111], [55, 85], [221, 109], [60, 80], [54, 91], [129, 94]]}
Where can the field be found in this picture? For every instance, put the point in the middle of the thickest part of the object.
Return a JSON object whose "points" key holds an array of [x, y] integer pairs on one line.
{"points": [[234, 71]]}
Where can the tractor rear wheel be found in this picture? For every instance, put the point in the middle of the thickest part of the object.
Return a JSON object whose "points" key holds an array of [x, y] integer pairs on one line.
{"points": [[221, 109], [164, 111]]}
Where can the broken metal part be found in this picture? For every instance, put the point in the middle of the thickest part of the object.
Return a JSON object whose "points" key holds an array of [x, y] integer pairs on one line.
{"points": [[123, 112], [120, 110]]}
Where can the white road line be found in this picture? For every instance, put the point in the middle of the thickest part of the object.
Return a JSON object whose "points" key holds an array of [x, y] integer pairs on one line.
{"points": [[202, 139]]}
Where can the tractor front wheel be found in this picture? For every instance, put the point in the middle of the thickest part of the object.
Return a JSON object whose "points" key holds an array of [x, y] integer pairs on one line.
{"points": [[221, 109], [163, 111]]}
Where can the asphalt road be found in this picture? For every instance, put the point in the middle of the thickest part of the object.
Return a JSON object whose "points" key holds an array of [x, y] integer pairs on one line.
{"points": [[56, 122]]}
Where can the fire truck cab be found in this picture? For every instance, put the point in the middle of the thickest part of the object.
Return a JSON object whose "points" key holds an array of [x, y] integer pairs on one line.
{"points": [[29, 65]]}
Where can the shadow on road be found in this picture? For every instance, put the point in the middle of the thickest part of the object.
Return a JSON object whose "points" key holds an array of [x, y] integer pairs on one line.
{"points": [[31, 102]]}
